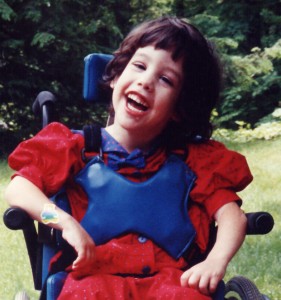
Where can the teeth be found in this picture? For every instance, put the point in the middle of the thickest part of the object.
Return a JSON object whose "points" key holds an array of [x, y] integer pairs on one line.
{"points": [[137, 99]]}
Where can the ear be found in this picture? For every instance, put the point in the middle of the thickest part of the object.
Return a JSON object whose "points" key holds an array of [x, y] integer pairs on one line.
{"points": [[113, 83]]}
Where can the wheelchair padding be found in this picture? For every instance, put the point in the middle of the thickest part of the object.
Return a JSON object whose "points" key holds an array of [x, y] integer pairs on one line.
{"points": [[156, 208], [220, 291], [48, 253], [55, 283], [94, 66]]}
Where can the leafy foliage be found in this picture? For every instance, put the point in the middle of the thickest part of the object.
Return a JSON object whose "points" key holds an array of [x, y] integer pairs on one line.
{"points": [[253, 87], [43, 44], [269, 129], [247, 35]]}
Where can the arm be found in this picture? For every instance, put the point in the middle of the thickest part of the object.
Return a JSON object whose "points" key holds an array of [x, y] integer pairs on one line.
{"points": [[205, 276], [24, 194]]}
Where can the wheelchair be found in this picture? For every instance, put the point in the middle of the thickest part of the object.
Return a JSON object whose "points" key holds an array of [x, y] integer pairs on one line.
{"points": [[43, 243]]}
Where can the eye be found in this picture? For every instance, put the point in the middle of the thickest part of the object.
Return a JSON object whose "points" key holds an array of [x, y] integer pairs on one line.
{"points": [[166, 80], [139, 65]]}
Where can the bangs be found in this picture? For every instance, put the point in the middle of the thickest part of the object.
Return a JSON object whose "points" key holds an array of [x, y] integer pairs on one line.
{"points": [[170, 39]]}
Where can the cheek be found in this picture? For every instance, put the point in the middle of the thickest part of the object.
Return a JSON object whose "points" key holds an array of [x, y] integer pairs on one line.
{"points": [[114, 82], [114, 98], [167, 112], [172, 110], [117, 97]]}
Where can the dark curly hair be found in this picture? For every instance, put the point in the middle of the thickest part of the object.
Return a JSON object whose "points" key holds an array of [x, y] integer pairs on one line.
{"points": [[202, 71]]}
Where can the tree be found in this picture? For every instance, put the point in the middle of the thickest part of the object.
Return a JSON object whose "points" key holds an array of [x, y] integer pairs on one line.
{"points": [[244, 32], [43, 44], [42, 48]]}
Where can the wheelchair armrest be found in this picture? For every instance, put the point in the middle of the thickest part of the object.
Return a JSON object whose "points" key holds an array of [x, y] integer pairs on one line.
{"points": [[15, 218], [259, 223], [43, 106]]}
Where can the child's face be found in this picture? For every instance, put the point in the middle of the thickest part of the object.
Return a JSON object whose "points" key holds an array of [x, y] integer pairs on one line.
{"points": [[145, 94]]}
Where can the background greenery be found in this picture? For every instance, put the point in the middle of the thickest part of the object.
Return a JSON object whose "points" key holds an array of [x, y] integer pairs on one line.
{"points": [[43, 44], [259, 258]]}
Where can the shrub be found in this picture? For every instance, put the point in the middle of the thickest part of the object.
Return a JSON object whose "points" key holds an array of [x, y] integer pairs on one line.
{"points": [[264, 131]]}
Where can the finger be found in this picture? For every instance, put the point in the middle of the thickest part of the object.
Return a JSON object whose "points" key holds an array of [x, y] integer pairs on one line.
{"points": [[213, 284], [203, 285], [184, 278], [84, 258], [79, 261], [193, 281]]}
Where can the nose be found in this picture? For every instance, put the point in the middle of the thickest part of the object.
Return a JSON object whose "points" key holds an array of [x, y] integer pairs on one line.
{"points": [[146, 81]]}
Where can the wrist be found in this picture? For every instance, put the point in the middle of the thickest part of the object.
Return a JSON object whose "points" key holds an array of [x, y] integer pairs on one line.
{"points": [[55, 217], [222, 259], [49, 214]]}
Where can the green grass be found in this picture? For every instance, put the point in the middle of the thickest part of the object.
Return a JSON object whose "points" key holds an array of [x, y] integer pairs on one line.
{"points": [[259, 258], [15, 274]]}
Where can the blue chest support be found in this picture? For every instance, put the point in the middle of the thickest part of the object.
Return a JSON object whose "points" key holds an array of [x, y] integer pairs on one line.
{"points": [[156, 208]]}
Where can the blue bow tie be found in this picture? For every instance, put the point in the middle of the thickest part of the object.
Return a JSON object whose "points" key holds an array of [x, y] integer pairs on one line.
{"points": [[135, 159], [118, 157]]}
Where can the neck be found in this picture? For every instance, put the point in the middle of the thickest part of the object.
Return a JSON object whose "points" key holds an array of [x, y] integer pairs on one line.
{"points": [[129, 140]]}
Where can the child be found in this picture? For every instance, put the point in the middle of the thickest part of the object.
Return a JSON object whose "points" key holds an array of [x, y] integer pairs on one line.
{"points": [[165, 80]]}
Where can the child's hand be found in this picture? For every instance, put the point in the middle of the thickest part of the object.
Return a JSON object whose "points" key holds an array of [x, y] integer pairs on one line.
{"points": [[83, 244], [204, 276]]}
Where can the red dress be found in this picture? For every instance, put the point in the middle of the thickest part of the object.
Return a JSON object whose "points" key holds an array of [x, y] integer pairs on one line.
{"points": [[53, 157]]}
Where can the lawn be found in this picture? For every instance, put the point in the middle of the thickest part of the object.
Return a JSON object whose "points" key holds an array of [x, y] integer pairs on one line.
{"points": [[259, 258]]}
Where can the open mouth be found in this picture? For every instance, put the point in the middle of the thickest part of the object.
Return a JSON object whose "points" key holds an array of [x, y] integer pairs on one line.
{"points": [[135, 103]]}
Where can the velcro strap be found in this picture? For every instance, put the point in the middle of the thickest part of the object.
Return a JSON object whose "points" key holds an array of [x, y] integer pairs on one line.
{"points": [[92, 136]]}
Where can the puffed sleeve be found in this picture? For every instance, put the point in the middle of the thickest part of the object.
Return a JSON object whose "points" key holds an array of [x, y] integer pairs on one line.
{"points": [[49, 158], [221, 173]]}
